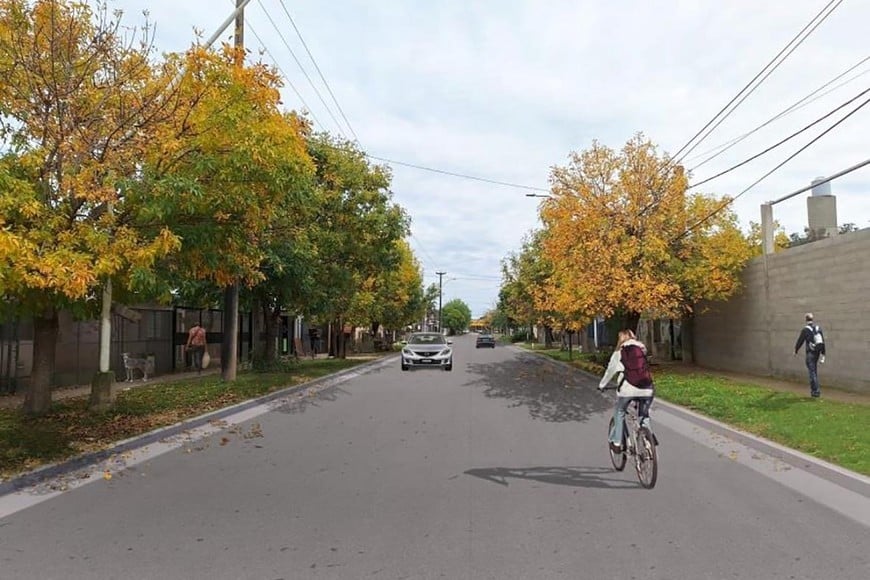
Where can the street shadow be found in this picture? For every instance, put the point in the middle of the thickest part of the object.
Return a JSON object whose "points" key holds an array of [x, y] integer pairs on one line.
{"points": [[550, 392], [307, 399], [587, 477]]}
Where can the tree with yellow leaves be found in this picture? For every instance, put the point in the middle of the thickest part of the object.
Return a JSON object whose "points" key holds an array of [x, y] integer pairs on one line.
{"points": [[79, 103], [624, 235]]}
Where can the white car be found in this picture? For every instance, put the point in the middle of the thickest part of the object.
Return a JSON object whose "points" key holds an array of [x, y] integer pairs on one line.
{"points": [[427, 349]]}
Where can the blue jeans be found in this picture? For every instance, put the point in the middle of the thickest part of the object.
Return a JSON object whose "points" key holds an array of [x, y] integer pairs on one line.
{"points": [[622, 404], [813, 368]]}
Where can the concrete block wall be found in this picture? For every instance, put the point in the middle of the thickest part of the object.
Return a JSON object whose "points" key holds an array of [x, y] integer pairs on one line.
{"points": [[755, 331]]}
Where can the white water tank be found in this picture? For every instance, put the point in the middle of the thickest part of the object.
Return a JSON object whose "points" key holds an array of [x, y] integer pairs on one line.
{"points": [[821, 188]]}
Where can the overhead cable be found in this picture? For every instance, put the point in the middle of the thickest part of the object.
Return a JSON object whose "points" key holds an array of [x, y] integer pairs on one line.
{"points": [[752, 85]]}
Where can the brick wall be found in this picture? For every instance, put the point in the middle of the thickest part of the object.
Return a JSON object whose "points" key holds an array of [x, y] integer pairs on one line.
{"points": [[755, 331]]}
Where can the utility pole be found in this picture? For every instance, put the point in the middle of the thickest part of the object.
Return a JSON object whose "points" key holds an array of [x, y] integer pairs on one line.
{"points": [[230, 343], [440, 321]]}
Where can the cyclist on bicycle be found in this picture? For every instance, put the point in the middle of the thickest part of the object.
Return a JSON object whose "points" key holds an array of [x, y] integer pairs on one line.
{"points": [[626, 392]]}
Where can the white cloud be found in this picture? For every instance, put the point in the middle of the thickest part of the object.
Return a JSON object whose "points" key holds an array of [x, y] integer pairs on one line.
{"points": [[507, 89]]}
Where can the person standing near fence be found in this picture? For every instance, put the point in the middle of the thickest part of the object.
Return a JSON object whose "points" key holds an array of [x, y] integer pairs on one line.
{"points": [[812, 335], [196, 344]]}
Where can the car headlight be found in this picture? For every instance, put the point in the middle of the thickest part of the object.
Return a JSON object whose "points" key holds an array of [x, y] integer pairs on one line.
{"points": [[445, 352], [406, 352]]}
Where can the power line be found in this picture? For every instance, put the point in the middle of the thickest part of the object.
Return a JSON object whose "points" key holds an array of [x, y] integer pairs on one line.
{"points": [[422, 249], [319, 72], [766, 175], [477, 279], [302, 68], [787, 50], [462, 276], [799, 104], [781, 142], [855, 167], [460, 175], [286, 78]]}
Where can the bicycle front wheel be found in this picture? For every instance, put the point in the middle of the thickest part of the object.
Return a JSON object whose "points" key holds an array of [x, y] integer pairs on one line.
{"points": [[647, 459], [617, 459]]}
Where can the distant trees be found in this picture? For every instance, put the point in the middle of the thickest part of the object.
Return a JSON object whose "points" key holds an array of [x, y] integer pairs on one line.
{"points": [[456, 315]]}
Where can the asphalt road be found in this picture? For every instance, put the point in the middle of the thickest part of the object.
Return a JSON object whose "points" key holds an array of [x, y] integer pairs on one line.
{"points": [[495, 470]]}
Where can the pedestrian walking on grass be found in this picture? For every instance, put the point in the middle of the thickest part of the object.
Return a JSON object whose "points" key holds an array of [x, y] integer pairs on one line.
{"points": [[812, 336]]}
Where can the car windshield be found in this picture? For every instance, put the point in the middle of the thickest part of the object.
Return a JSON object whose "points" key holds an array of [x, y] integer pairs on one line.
{"points": [[427, 339]]}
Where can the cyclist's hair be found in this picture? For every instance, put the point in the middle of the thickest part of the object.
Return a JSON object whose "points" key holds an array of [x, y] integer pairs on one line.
{"points": [[627, 334]]}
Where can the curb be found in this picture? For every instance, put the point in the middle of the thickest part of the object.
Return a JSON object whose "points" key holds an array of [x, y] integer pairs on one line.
{"points": [[41, 474], [851, 480]]}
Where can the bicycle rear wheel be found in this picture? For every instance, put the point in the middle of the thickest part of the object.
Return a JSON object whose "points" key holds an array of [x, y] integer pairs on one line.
{"points": [[647, 459], [618, 459]]}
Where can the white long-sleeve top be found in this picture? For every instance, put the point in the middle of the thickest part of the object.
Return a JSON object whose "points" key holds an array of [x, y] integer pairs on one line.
{"points": [[615, 369]]}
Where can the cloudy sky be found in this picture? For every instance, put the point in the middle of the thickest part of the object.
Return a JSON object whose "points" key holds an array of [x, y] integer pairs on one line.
{"points": [[505, 89]]}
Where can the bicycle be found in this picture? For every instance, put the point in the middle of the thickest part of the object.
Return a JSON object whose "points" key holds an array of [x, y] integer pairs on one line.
{"points": [[638, 441]]}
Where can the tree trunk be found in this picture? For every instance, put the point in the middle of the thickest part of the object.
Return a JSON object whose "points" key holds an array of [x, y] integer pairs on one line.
{"points": [[333, 341], [687, 337], [230, 344], [548, 336], [631, 321], [342, 343], [258, 309], [37, 401], [272, 323]]}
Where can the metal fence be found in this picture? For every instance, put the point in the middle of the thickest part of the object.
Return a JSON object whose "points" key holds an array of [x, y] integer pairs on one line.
{"points": [[160, 333]]}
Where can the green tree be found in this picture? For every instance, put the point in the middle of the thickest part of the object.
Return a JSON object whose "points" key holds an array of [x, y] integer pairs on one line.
{"points": [[780, 239], [456, 315], [355, 229], [229, 172], [394, 297], [430, 300], [526, 296]]}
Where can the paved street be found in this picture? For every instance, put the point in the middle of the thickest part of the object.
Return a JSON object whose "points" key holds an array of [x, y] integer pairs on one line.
{"points": [[493, 471]]}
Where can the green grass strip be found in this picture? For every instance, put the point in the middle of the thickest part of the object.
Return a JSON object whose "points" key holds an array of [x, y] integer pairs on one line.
{"points": [[830, 430], [69, 429]]}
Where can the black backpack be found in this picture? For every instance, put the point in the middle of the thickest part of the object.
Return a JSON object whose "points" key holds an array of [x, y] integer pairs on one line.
{"points": [[816, 342], [636, 365]]}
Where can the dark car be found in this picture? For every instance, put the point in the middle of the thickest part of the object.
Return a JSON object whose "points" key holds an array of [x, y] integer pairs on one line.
{"points": [[484, 340]]}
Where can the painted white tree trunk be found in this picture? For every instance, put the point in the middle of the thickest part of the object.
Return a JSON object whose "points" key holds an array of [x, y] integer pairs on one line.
{"points": [[106, 328]]}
